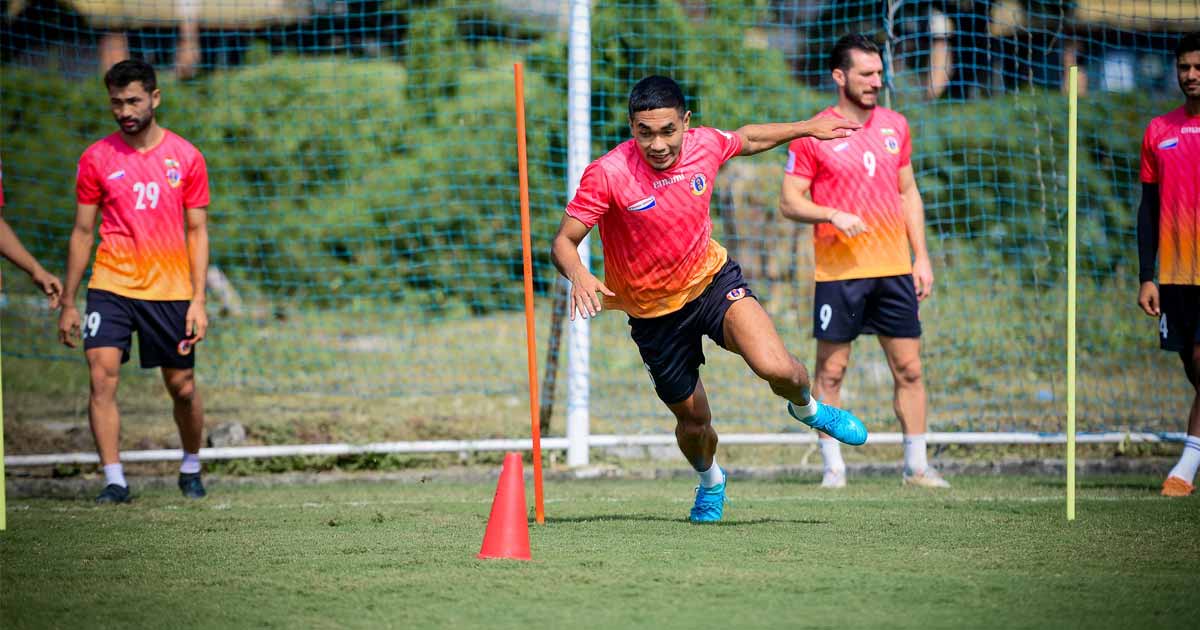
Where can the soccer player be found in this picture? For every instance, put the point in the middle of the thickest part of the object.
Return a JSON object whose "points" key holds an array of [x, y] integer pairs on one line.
{"points": [[149, 187], [872, 267], [12, 249], [1168, 228], [650, 196]]}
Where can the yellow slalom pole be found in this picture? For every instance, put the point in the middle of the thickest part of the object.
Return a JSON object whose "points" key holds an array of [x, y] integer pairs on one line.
{"points": [[3, 504], [1072, 163]]}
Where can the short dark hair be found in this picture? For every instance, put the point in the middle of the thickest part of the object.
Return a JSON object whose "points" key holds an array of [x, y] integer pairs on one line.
{"points": [[656, 92], [125, 72], [839, 57], [1190, 42]]}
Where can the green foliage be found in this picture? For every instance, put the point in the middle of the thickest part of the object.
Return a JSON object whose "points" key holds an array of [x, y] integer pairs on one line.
{"points": [[995, 172], [336, 180]]}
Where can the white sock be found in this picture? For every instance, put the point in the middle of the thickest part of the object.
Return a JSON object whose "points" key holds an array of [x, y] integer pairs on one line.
{"points": [[914, 454], [115, 473], [714, 476], [190, 463], [831, 452], [1189, 461], [806, 411]]}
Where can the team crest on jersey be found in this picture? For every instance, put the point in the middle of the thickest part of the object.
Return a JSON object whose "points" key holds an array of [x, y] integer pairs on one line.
{"points": [[699, 184], [891, 144], [643, 205], [174, 176], [1169, 143], [736, 294]]}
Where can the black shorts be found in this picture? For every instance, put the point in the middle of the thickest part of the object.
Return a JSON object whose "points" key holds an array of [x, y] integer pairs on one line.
{"points": [[1179, 321], [671, 345], [845, 309], [111, 320]]}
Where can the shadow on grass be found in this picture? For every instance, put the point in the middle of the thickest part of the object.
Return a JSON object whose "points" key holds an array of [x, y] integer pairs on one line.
{"points": [[663, 519], [1103, 484]]}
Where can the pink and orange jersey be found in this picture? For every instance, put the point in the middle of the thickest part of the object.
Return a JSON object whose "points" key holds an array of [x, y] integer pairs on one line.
{"points": [[655, 226], [1171, 159], [142, 197], [858, 175]]}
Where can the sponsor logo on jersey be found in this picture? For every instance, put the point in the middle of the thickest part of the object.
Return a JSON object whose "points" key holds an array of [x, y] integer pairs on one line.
{"points": [[116, 174], [1189, 130], [841, 147], [891, 144], [736, 294], [642, 206], [174, 176], [674, 179], [1169, 143], [887, 131], [699, 184]]}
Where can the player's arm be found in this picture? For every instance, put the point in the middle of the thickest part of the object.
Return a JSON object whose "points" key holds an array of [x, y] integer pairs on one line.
{"points": [[12, 249], [197, 242], [796, 204], [1147, 238], [79, 250], [914, 224], [766, 136], [564, 251]]}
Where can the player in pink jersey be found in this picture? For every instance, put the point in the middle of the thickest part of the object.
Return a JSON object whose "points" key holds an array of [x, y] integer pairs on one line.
{"points": [[872, 267], [149, 187], [650, 197], [12, 249], [1168, 230]]}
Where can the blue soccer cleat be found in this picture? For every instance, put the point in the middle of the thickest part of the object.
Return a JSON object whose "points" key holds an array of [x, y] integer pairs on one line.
{"points": [[710, 503], [838, 423]]}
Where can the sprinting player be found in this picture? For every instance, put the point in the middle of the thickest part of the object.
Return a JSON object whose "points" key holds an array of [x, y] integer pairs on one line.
{"points": [[1168, 228], [862, 197], [12, 249], [650, 196], [149, 187]]}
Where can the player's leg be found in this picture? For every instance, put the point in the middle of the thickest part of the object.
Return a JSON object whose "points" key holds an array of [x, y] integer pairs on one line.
{"points": [[697, 441], [892, 314], [189, 418], [104, 370], [749, 331], [1179, 331], [161, 328], [833, 358], [671, 350], [1181, 480], [909, 403], [107, 333]]}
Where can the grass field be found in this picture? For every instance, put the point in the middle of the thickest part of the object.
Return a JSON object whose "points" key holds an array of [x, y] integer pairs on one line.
{"points": [[991, 552]]}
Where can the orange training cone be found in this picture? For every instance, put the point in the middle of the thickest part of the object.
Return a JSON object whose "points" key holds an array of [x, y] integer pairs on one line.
{"points": [[507, 533]]}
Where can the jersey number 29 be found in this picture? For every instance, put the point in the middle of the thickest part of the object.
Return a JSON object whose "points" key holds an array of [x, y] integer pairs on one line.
{"points": [[146, 191]]}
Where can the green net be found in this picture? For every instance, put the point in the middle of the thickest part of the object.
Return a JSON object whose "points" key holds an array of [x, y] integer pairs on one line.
{"points": [[365, 225]]}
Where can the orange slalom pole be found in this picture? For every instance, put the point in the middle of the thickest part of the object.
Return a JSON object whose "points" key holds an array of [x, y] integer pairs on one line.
{"points": [[527, 264]]}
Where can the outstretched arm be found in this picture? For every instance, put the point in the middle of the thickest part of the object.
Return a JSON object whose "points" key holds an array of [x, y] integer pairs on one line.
{"points": [[766, 136], [564, 251]]}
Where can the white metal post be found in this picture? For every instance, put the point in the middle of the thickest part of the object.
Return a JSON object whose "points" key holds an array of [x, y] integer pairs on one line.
{"points": [[579, 98]]}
